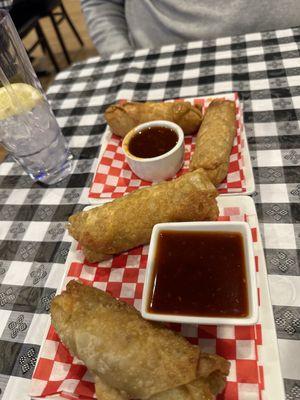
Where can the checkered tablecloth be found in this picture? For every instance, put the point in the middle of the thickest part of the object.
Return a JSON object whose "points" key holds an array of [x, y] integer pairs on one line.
{"points": [[264, 68]]}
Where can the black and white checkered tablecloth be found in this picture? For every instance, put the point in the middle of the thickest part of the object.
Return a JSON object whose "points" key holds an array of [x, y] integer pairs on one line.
{"points": [[265, 69]]}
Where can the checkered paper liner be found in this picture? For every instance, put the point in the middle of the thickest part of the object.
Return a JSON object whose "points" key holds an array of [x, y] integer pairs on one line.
{"points": [[114, 178], [57, 372]]}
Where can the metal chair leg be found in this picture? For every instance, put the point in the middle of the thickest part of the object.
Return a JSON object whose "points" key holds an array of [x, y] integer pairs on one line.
{"points": [[43, 40], [65, 14], [62, 43]]}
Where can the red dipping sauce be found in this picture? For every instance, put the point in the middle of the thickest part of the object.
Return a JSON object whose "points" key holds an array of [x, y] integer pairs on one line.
{"points": [[152, 142], [199, 274]]}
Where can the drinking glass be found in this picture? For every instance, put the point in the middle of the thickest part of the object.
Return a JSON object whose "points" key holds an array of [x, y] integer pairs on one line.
{"points": [[28, 128]]}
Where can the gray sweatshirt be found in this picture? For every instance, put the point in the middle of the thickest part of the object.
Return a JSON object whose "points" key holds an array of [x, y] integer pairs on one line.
{"points": [[120, 25]]}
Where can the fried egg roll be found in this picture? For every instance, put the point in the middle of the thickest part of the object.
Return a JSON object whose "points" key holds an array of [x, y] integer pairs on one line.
{"points": [[214, 140], [131, 358], [123, 118], [199, 389], [127, 222], [105, 392]]}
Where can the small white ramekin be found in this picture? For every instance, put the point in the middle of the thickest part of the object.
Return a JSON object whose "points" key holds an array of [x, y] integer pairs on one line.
{"points": [[159, 168], [222, 226]]}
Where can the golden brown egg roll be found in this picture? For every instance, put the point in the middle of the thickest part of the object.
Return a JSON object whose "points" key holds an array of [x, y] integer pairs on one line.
{"points": [[106, 392], [123, 118], [115, 343], [199, 389], [214, 140], [127, 222], [196, 390], [132, 358]]}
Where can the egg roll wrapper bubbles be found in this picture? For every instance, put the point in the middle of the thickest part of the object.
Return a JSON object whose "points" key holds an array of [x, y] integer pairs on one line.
{"points": [[106, 392], [127, 222], [199, 389], [123, 118], [131, 358], [215, 139], [115, 343]]}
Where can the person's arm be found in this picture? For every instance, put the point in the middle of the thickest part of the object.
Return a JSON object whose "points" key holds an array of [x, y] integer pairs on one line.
{"points": [[107, 25]]}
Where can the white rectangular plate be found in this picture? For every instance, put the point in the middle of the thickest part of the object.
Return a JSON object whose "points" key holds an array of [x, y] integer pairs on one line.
{"points": [[268, 355]]}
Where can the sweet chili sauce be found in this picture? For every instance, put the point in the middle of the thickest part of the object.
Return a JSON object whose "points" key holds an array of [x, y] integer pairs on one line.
{"points": [[199, 274], [152, 142]]}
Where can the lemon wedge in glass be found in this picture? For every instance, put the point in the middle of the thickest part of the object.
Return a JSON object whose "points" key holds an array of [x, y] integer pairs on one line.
{"points": [[17, 98]]}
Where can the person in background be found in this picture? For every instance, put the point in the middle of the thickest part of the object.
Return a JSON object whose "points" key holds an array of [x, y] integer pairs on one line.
{"points": [[122, 25]]}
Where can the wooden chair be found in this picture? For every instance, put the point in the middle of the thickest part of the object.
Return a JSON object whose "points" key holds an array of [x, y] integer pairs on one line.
{"points": [[26, 18], [27, 14], [55, 10]]}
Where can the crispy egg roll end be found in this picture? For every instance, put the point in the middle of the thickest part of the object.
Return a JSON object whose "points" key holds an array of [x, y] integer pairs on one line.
{"points": [[93, 256]]}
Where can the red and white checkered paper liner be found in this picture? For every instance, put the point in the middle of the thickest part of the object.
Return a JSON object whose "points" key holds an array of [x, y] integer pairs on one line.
{"points": [[57, 372], [114, 178]]}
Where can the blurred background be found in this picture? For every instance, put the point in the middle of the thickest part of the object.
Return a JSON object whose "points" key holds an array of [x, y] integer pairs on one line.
{"points": [[40, 60], [54, 36]]}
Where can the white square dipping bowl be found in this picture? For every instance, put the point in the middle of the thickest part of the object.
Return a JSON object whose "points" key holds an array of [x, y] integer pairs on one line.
{"points": [[241, 227]]}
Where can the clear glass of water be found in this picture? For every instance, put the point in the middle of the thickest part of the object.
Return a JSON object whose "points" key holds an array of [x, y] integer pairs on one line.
{"points": [[28, 128]]}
